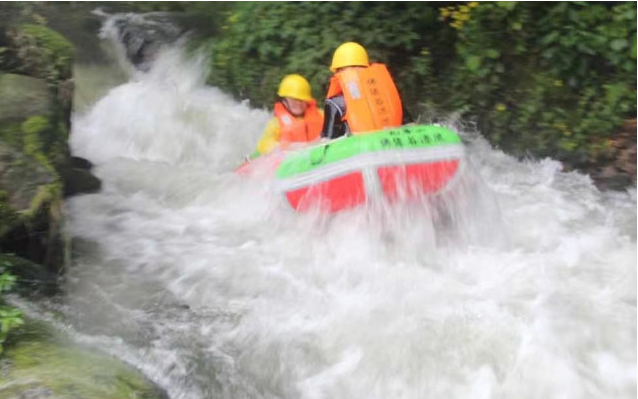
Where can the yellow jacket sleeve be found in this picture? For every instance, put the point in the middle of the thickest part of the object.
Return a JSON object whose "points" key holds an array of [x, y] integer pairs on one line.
{"points": [[270, 138]]}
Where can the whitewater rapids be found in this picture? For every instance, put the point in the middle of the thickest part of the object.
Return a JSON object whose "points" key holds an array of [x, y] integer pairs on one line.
{"points": [[208, 284]]}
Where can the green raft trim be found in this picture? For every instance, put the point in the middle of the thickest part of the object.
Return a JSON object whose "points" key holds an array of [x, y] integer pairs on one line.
{"points": [[404, 137]]}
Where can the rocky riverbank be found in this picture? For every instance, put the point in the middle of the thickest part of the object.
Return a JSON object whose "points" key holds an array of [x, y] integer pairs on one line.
{"points": [[36, 169], [37, 173], [43, 363]]}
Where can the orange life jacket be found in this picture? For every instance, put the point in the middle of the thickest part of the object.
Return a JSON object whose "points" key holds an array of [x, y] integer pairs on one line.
{"points": [[372, 99], [294, 129]]}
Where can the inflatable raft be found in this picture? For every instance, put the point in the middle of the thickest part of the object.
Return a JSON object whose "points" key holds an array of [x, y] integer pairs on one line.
{"points": [[397, 164]]}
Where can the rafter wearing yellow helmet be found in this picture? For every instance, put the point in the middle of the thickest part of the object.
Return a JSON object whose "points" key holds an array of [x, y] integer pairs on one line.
{"points": [[362, 97], [296, 117]]}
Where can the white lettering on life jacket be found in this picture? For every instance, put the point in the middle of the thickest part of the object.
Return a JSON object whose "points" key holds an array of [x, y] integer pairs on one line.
{"points": [[286, 120], [353, 88]]}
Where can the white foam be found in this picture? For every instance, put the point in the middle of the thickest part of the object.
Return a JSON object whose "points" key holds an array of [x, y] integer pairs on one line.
{"points": [[538, 302]]}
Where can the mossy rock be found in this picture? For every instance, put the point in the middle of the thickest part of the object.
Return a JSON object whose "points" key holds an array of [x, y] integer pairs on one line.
{"points": [[34, 125], [26, 182], [23, 96], [40, 52], [32, 120], [30, 209], [33, 147], [39, 362]]}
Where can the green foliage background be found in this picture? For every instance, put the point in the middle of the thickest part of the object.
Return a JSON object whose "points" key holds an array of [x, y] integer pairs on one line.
{"points": [[554, 78], [10, 317]]}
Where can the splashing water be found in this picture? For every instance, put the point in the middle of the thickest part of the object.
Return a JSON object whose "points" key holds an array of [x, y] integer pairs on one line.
{"points": [[213, 289]]}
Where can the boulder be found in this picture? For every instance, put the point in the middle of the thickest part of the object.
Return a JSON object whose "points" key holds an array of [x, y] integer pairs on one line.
{"points": [[36, 170], [33, 146], [79, 181], [22, 96], [41, 363], [25, 181]]}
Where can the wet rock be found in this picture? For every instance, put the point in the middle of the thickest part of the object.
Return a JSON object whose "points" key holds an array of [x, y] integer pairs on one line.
{"points": [[36, 171], [80, 163], [144, 35], [40, 52], [34, 121], [39, 362], [22, 96], [30, 203], [26, 182], [33, 144], [33, 278], [79, 181], [143, 41]]}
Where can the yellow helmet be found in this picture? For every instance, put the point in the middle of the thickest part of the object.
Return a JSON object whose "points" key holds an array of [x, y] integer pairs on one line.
{"points": [[349, 54], [295, 86]]}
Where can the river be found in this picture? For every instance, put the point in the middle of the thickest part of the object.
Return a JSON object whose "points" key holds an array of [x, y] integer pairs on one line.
{"points": [[207, 283]]}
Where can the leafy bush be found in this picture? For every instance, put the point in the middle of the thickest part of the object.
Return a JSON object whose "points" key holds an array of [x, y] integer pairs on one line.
{"points": [[561, 83], [10, 317], [262, 42], [543, 78]]}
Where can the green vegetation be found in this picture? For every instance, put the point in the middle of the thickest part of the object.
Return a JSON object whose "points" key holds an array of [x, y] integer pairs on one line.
{"points": [[550, 79], [555, 79], [263, 41], [55, 53], [10, 317], [37, 51]]}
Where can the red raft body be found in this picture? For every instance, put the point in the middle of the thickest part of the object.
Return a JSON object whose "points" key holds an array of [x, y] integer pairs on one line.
{"points": [[396, 164]]}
